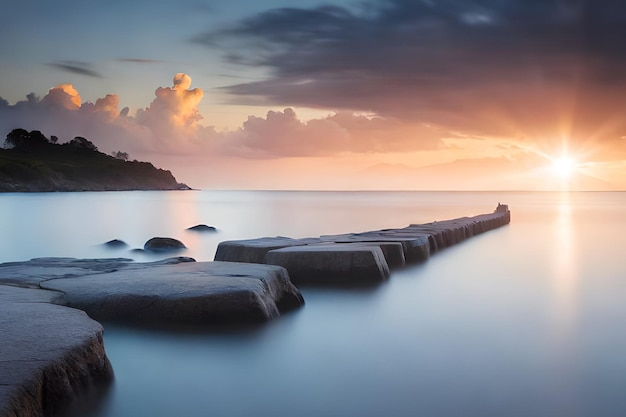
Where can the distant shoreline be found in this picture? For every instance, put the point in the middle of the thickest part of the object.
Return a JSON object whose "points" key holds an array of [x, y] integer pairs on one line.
{"points": [[4, 191]]}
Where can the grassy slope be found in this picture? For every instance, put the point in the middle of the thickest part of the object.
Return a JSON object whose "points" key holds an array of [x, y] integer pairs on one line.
{"points": [[52, 167]]}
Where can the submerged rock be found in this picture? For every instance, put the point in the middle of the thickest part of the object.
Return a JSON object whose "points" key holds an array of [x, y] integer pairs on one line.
{"points": [[164, 244]]}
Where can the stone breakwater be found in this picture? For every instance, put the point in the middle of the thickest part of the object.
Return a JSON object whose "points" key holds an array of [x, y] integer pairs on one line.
{"points": [[52, 349], [359, 258]]}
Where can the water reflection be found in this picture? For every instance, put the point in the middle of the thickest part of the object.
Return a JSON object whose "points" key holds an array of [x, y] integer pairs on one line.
{"points": [[566, 287], [566, 278]]}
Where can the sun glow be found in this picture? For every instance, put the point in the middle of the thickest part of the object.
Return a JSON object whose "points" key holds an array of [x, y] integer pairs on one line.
{"points": [[564, 166]]}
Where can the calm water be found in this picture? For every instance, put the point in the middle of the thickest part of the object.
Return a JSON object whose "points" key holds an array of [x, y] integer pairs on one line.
{"points": [[526, 320]]}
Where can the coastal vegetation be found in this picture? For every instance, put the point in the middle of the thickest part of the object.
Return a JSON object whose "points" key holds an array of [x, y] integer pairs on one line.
{"points": [[30, 161]]}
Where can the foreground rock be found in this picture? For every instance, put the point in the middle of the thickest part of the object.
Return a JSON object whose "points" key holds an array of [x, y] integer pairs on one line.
{"points": [[189, 293], [349, 258], [49, 353], [172, 291]]}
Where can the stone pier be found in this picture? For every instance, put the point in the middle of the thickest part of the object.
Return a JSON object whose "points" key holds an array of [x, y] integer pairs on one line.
{"points": [[359, 258]]}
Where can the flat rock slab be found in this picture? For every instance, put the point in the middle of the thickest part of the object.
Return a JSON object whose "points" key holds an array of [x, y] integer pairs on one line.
{"points": [[188, 293], [254, 250], [48, 355], [415, 246], [31, 273], [327, 259], [335, 264]]}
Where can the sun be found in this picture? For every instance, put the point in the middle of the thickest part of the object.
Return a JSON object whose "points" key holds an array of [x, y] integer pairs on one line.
{"points": [[564, 166]]}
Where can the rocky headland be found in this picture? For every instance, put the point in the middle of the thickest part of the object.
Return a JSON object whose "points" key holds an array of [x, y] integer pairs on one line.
{"points": [[31, 162]]}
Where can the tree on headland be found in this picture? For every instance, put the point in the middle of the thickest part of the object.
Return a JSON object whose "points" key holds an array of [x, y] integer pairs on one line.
{"points": [[120, 155], [23, 139], [80, 143]]}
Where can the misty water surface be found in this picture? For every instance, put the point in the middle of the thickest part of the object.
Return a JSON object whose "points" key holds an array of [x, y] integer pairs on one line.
{"points": [[526, 320]]}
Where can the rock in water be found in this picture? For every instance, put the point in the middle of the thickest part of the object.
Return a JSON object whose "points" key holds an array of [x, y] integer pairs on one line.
{"points": [[202, 228], [164, 244], [115, 244]]}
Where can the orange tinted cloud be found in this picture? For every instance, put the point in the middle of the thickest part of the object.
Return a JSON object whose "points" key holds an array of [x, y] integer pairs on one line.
{"points": [[63, 95], [175, 106]]}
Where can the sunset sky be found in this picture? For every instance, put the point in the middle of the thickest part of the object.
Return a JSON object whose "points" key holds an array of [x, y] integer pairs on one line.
{"points": [[378, 94]]}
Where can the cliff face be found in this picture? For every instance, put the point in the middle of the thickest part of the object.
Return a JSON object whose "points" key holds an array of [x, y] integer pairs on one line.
{"points": [[51, 167]]}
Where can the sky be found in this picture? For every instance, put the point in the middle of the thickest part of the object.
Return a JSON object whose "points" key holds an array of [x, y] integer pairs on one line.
{"points": [[343, 95]]}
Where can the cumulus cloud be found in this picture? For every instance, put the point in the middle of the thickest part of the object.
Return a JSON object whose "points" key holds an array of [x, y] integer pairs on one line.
{"points": [[283, 134], [536, 69], [63, 95], [164, 126], [169, 125], [174, 107], [108, 104]]}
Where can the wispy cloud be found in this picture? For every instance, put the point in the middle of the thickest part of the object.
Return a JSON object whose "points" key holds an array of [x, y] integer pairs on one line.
{"points": [[139, 60], [76, 67]]}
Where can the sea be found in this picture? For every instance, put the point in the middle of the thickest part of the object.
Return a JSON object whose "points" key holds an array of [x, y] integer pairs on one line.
{"points": [[526, 320]]}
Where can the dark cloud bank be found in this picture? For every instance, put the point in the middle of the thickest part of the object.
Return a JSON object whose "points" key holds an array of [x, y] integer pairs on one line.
{"points": [[516, 68]]}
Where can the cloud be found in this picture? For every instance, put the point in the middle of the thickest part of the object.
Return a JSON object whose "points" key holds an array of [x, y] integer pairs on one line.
{"points": [[63, 95], [536, 69], [139, 60], [283, 134], [170, 125], [285, 150], [76, 67], [174, 107], [106, 105]]}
